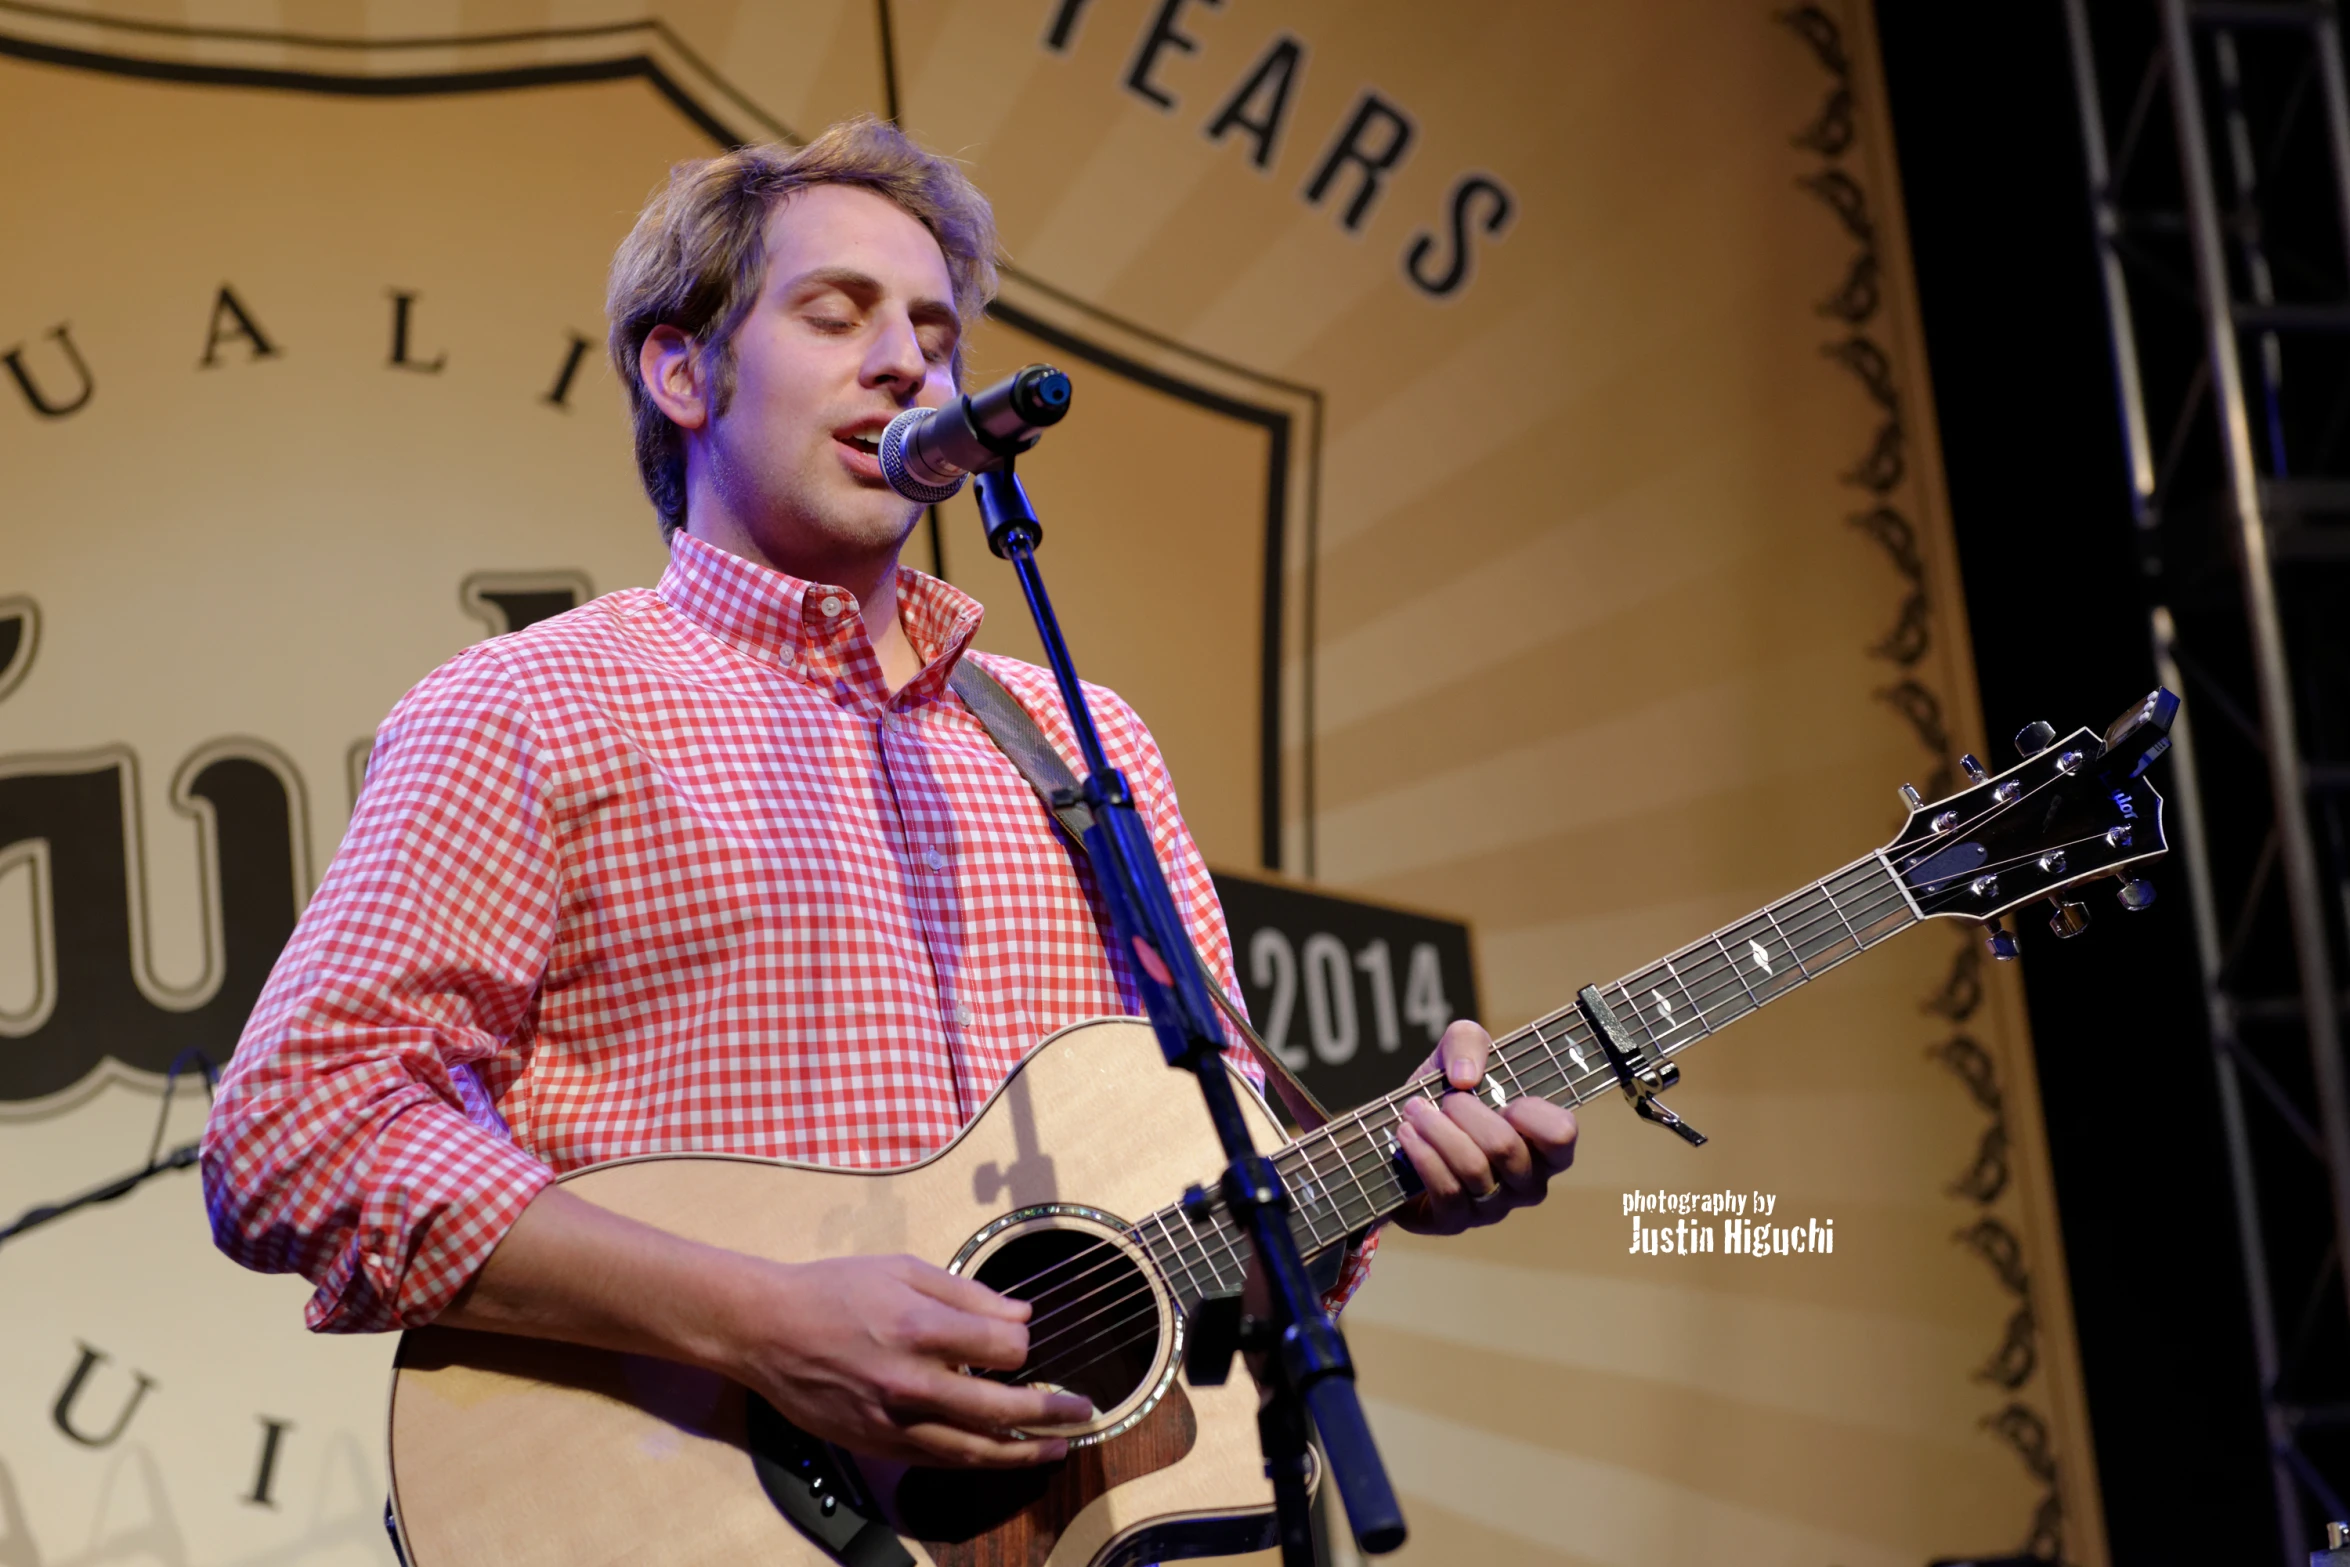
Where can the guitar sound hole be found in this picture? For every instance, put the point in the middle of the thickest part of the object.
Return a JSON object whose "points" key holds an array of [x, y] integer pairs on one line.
{"points": [[1095, 1326]]}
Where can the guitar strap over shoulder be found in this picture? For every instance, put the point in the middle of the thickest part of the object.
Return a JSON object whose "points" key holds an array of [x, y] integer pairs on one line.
{"points": [[1016, 734]]}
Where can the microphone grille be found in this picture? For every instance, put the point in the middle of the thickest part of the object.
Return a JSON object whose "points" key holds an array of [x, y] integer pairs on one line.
{"points": [[893, 460]]}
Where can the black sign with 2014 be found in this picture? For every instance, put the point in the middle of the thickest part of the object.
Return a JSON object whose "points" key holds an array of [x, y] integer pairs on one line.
{"points": [[1352, 996]]}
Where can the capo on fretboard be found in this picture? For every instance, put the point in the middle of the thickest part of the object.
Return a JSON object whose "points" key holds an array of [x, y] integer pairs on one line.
{"points": [[1641, 1069]]}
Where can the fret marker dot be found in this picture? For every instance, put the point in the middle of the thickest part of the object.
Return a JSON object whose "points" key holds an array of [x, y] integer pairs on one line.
{"points": [[1762, 958], [1494, 1093]]}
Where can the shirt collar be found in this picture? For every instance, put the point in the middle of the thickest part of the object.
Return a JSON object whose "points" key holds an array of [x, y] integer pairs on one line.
{"points": [[813, 627]]}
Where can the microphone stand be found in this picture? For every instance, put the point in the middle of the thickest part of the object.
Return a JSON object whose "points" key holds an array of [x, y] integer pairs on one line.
{"points": [[158, 1161], [1312, 1374]]}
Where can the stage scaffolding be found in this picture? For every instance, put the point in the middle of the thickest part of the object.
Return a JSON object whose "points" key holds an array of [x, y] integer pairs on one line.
{"points": [[2217, 141]]}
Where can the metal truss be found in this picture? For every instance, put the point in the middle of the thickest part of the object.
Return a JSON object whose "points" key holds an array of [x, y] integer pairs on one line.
{"points": [[2224, 242]]}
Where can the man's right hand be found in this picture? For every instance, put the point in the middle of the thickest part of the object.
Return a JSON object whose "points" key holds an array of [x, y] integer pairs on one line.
{"points": [[863, 1351]]}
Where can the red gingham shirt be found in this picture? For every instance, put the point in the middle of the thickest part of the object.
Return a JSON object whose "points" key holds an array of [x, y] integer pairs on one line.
{"points": [[672, 871]]}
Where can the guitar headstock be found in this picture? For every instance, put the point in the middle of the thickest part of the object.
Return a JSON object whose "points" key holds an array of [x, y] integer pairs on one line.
{"points": [[2072, 810]]}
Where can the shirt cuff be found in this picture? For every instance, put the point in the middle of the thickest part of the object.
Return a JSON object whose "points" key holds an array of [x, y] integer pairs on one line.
{"points": [[443, 1194]]}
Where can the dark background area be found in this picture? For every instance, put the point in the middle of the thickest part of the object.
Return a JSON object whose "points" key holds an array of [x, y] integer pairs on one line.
{"points": [[1992, 171]]}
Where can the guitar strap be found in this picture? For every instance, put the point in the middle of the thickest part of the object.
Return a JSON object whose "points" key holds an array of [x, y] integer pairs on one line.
{"points": [[1016, 734]]}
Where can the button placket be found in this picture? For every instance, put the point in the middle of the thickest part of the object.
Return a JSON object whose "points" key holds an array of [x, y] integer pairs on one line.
{"points": [[916, 814]]}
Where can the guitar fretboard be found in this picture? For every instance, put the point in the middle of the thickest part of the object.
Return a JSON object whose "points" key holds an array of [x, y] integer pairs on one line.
{"points": [[1346, 1176]]}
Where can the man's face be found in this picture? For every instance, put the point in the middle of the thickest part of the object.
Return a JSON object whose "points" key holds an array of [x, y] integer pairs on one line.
{"points": [[854, 324]]}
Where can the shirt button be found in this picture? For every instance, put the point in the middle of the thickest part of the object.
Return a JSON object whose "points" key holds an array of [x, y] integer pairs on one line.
{"points": [[829, 605], [963, 1013], [935, 860]]}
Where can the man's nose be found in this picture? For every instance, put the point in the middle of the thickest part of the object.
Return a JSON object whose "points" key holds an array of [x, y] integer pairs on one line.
{"points": [[896, 354]]}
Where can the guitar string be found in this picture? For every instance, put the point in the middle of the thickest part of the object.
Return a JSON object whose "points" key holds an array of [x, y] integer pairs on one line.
{"points": [[1878, 905], [1058, 1367], [1994, 867], [1997, 810], [1879, 889], [1711, 990], [1875, 908], [1530, 1069], [1712, 979], [1145, 1326], [1134, 1279], [1347, 1139]]}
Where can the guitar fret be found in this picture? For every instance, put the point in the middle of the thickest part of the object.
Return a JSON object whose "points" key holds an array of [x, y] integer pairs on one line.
{"points": [[1190, 1240], [1752, 1000], [1500, 1062], [1846, 942], [1674, 1002], [1371, 1209], [1705, 971], [1844, 905], [1590, 1061], [1644, 995], [1627, 1007], [1788, 942], [1829, 893], [1314, 1191], [1828, 934], [1171, 1260], [1383, 1146], [1703, 1024], [1516, 1054], [1226, 1280], [1550, 1058]]}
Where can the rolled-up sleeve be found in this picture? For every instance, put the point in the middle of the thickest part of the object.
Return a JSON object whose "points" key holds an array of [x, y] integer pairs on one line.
{"points": [[351, 1140]]}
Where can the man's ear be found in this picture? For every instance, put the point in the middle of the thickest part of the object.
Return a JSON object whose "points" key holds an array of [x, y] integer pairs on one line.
{"points": [[672, 376]]}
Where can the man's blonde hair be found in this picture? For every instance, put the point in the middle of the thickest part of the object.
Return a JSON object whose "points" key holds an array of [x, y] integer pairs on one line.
{"points": [[697, 259]]}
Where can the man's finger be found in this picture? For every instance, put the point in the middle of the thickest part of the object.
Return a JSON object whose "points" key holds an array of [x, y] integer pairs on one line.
{"points": [[1440, 1187], [963, 1294], [1504, 1149], [941, 1332], [931, 1443], [1463, 1051], [979, 1405], [1465, 1164], [1549, 1130]]}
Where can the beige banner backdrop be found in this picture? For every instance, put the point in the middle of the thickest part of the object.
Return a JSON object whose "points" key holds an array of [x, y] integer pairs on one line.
{"points": [[1503, 472]]}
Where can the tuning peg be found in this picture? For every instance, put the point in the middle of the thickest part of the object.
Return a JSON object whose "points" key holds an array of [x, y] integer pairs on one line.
{"points": [[1974, 769], [2069, 920], [2035, 737], [2001, 940], [2137, 893], [1911, 798]]}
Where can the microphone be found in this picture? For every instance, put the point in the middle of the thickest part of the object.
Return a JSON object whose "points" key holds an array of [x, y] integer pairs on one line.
{"points": [[927, 453]]}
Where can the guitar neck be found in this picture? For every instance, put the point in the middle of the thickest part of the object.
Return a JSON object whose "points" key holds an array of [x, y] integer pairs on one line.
{"points": [[1344, 1176]]}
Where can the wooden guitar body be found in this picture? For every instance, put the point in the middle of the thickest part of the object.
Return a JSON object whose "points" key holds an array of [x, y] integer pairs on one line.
{"points": [[510, 1452]]}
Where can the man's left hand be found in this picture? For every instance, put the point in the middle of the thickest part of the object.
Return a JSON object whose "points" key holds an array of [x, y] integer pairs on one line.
{"points": [[1478, 1163]]}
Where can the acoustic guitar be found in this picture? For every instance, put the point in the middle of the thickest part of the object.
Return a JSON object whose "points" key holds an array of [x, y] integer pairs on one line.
{"points": [[511, 1452]]}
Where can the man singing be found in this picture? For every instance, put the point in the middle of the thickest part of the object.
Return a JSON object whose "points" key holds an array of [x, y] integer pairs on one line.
{"points": [[725, 866]]}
